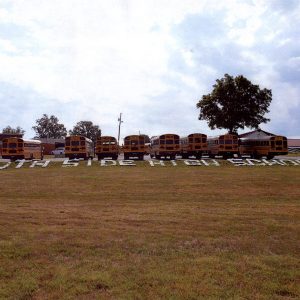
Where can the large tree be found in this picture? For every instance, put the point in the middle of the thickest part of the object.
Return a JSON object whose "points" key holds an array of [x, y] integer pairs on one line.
{"points": [[235, 103], [49, 127], [87, 129], [10, 130]]}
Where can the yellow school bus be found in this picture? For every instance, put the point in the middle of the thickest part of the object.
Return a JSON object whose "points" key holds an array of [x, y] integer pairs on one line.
{"points": [[134, 146], [18, 148], [263, 147], [225, 145], [107, 146], [194, 144], [77, 146], [165, 145]]}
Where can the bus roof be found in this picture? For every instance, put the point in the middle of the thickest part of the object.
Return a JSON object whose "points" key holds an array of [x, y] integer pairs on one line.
{"points": [[32, 141], [134, 136], [107, 137], [24, 141], [80, 136], [165, 134]]}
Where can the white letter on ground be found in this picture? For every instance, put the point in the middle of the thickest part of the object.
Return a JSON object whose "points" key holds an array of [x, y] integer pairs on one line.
{"points": [[273, 162], [5, 166], [237, 162], [155, 163], [42, 164], [192, 162], [70, 163], [103, 163], [127, 163], [21, 163]]}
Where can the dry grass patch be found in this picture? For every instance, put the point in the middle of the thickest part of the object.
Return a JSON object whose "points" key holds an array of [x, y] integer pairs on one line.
{"points": [[150, 233]]}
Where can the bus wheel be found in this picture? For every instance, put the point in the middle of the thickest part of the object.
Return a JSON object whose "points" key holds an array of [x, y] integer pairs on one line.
{"points": [[126, 157], [157, 156], [198, 156], [115, 157], [270, 156], [141, 157]]}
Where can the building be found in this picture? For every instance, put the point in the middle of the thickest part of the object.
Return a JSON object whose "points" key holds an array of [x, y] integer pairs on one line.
{"points": [[50, 144], [294, 145]]}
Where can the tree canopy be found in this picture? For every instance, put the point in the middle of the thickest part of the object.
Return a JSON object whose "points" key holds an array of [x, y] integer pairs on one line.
{"points": [[10, 130], [87, 129], [235, 103], [49, 127]]}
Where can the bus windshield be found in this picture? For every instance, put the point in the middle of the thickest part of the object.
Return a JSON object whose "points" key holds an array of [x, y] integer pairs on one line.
{"points": [[12, 145]]}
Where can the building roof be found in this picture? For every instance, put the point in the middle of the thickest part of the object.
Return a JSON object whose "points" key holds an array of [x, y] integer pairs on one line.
{"points": [[293, 142], [51, 140], [256, 134]]}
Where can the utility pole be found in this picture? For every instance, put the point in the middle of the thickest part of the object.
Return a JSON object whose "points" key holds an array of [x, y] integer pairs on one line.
{"points": [[120, 122]]}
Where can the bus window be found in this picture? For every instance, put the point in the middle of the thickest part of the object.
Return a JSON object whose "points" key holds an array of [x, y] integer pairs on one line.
{"points": [[227, 142], [12, 145]]}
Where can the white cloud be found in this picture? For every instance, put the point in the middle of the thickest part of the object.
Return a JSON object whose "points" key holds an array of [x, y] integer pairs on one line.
{"points": [[94, 59]]}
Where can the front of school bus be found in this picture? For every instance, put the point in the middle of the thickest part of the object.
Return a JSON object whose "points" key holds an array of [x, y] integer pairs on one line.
{"points": [[197, 145], [13, 148], [278, 146], [169, 145], [134, 146], [75, 147], [107, 146], [228, 145]]}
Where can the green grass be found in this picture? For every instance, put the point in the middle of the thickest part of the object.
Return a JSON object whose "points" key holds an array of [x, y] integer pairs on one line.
{"points": [[150, 233]]}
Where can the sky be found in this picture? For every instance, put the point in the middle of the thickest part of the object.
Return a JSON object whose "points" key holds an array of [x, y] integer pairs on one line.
{"points": [[151, 60]]}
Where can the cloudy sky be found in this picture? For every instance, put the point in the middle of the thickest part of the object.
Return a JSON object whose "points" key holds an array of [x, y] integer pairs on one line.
{"points": [[152, 60]]}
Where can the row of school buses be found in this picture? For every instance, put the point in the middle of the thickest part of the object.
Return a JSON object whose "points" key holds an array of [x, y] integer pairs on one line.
{"points": [[167, 146]]}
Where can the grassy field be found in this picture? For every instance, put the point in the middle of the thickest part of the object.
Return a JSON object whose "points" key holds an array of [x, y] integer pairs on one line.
{"points": [[150, 233]]}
